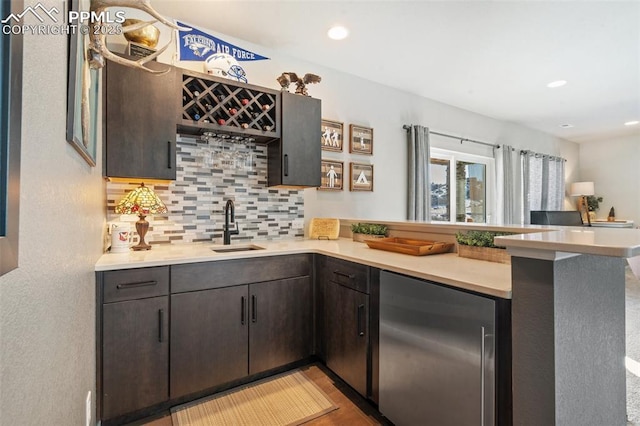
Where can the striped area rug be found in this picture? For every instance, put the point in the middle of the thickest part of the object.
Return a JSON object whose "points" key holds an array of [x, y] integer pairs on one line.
{"points": [[287, 399]]}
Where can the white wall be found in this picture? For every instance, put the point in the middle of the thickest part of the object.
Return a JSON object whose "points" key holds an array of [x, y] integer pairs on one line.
{"points": [[353, 100], [47, 305], [613, 167]]}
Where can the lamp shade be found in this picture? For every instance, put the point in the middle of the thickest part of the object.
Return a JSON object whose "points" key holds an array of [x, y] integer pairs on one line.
{"points": [[582, 188], [141, 201]]}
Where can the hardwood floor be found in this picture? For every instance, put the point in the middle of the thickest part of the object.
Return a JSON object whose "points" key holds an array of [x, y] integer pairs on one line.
{"points": [[353, 410]]}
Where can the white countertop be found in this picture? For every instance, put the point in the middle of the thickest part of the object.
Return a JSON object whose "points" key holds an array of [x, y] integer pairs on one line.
{"points": [[615, 242], [483, 277]]}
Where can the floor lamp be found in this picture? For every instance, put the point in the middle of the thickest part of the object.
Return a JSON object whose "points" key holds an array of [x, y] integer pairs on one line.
{"points": [[582, 190]]}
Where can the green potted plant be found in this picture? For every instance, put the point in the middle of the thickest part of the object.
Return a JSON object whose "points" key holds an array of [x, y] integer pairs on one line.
{"points": [[593, 205], [365, 231], [480, 245]]}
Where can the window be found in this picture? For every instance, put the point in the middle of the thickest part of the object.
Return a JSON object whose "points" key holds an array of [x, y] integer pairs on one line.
{"points": [[10, 122], [461, 187]]}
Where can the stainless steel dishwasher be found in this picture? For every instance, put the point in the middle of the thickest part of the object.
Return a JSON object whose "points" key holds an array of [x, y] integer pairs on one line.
{"points": [[437, 354]]}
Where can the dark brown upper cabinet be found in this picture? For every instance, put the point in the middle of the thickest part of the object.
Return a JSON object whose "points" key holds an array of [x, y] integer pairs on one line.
{"points": [[140, 112], [294, 159]]}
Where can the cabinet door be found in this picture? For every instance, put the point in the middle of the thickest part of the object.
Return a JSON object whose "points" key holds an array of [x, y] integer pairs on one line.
{"points": [[295, 159], [135, 355], [347, 334], [140, 114], [281, 316], [209, 336]]}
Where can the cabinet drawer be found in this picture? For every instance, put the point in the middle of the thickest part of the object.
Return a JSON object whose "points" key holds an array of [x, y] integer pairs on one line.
{"points": [[133, 284], [349, 274], [206, 275]]}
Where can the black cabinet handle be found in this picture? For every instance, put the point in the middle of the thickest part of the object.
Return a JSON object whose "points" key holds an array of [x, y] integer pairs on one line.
{"points": [[254, 310], [160, 325], [286, 164], [169, 154], [134, 285], [342, 274], [360, 321], [242, 310]]}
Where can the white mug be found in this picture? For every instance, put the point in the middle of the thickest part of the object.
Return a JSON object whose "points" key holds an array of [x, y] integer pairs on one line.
{"points": [[121, 237]]}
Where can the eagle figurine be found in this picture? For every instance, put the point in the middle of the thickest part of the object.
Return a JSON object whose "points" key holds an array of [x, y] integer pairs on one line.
{"points": [[286, 78]]}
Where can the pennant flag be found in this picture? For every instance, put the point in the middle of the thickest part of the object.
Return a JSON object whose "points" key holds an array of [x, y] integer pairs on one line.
{"points": [[196, 45]]}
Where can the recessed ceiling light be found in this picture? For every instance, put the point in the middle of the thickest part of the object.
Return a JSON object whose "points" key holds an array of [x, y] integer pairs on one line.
{"points": [[557, 83], [631, 123], [338, 32], [566, 126]]}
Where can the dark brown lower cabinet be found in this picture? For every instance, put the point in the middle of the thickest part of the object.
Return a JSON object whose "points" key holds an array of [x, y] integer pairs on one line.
{"points": [[135, 355], [346, 324], [170, 334], [224, 334], [209, 336], [281, 323]]}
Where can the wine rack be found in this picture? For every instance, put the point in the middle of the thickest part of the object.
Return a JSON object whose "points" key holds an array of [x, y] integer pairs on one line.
{"points": [[227, 108]]}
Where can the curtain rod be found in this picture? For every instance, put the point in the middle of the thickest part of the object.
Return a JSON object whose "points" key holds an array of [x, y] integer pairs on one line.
{"points": [[540, 155], [492, 145]]}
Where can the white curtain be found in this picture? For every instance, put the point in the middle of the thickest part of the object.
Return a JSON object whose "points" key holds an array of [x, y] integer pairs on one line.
{"points": [[419, 196], [509, 185], [543, 178]]}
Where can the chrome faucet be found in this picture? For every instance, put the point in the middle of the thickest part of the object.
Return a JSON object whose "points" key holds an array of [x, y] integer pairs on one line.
{"points": [[229, 217]]}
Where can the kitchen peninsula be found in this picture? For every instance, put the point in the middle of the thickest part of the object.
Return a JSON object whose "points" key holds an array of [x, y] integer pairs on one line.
{"points": [[568, 325], [564, 294]]}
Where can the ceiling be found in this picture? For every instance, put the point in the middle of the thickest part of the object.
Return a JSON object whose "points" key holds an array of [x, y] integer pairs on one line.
{"points": [[492, 58]]}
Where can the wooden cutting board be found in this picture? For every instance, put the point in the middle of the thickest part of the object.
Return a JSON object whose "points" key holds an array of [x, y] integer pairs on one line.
{"points": [[324, 229]]}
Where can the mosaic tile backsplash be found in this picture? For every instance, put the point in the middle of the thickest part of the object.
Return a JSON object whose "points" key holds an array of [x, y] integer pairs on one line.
{"points": [[208, 174]]}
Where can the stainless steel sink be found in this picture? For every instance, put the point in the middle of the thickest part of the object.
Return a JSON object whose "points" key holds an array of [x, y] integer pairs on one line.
{"points": [[231, 249]]}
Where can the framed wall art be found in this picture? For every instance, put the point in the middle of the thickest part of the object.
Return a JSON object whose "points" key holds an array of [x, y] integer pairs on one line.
{"points": [[332, 135], [360, 140], [332, 175], [361, 177], [82, 94]]}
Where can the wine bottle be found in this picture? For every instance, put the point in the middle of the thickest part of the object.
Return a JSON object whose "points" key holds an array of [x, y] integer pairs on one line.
{"points": [[192, 87], [195, 113], [244, 120], [221, 121], [264, 126], [218, 94], [252, 111]]}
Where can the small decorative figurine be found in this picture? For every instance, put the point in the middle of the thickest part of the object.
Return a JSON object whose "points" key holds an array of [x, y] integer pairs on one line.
{"points": [[612, 215], [286, 78]]}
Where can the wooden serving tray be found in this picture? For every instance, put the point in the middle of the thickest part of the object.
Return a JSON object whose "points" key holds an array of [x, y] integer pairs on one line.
{"points": [[409, 246]]}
